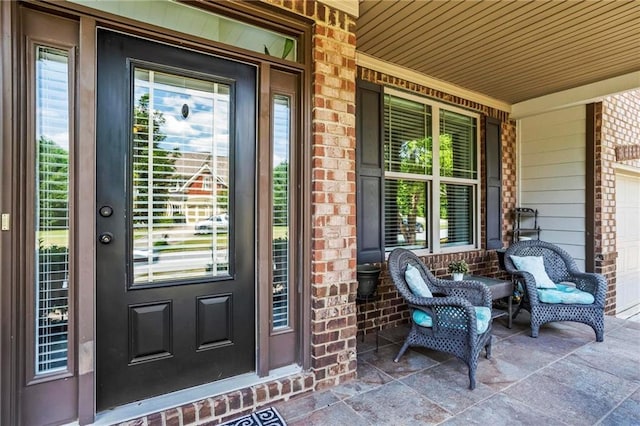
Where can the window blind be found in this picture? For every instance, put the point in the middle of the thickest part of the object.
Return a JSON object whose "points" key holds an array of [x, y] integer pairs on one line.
{"points": [[457, 145], [52, 211], [408, 142], [405, 213], [456, 214]]}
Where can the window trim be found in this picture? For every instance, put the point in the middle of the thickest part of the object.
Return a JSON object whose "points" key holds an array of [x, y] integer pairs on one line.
{"points": [[432, 240]]}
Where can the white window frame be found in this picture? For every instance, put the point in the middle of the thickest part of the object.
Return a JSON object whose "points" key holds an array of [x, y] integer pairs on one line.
{"points": [[433, 237]]}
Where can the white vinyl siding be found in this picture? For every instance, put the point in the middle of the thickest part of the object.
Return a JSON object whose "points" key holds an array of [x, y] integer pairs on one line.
{"points": [[551, 154]]}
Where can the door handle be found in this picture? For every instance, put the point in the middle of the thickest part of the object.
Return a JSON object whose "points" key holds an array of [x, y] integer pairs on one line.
{"points": [[105, 237]]}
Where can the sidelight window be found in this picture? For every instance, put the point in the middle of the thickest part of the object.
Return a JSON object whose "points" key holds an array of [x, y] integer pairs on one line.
{"points": [[52, 93], [281, 208]]}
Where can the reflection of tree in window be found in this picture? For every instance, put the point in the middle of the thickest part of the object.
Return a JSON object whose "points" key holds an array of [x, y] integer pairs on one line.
{"points": [[408, 150], [415, 155], [53, 169], [162, 164], [281, 193]]}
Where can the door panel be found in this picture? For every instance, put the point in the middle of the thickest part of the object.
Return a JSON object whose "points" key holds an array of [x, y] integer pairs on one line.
{"points": [[175, 219]]}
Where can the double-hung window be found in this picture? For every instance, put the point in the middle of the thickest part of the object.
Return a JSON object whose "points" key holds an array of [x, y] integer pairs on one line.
{"points": [[431, 175]]}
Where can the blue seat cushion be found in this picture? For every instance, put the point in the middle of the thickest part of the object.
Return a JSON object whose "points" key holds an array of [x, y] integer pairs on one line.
{"points": [[565, 294], [483, 318]]}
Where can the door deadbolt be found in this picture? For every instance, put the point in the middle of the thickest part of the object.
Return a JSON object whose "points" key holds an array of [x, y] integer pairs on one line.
{"points": [[106, 211], [105, 237]]}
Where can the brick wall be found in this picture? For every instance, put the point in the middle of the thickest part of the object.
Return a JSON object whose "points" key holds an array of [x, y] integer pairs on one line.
{"points": [[617, 126], [390, 309]]}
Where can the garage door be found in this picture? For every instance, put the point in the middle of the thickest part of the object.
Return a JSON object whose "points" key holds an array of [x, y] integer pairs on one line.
{"points": [[628, 240]]}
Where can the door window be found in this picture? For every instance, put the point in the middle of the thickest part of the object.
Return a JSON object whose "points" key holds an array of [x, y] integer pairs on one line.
{"points": [[180, 177]]}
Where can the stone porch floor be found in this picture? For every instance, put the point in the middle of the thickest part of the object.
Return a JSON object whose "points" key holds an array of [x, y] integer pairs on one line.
{"points": [[561, 378]]}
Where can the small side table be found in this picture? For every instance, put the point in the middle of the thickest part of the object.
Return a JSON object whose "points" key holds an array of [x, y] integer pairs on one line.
{"points": [[362, 301], [499, 289]]}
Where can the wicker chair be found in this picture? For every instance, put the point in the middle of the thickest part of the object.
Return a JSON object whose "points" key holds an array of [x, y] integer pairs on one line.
{"points": [[560, 267], [454, 328]]}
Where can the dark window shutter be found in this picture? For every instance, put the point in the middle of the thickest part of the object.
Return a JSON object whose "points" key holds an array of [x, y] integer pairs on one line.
{"points": [[493, 184], [370, 173]]}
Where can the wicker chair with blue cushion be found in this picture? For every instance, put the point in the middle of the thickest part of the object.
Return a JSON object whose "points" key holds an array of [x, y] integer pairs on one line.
{"points": [[554, 288], [447, 316]]}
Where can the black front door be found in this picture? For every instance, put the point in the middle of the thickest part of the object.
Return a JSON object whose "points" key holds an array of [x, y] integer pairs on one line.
{"points": [[175, 219]]}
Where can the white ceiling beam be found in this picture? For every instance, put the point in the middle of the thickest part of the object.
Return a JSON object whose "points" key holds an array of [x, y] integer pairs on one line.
{"points": [[582, 95]]}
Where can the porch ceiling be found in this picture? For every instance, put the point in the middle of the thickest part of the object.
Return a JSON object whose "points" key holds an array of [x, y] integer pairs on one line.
{"points": [[511, 51]]}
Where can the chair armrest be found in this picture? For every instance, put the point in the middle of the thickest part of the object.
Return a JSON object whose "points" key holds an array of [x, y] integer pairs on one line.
{"points": [[447, 313], [529, 283], [592, 283], [474, 291]]}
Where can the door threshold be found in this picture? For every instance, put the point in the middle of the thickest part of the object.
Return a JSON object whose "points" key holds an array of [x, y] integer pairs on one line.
{"points": [[186, 396]]}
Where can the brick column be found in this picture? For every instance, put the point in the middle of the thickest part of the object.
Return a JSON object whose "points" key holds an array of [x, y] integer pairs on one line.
{"points": [[617, 118], [333, 321], [333, 199]]}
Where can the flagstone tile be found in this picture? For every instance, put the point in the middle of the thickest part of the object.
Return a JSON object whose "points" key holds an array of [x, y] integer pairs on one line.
{"points": [[396, 334], [410, 362], [502, 410], [573, 390], [337, 414], [447, 385], [627, 413], [619, 357], [369, 377], [305, 405], [397, 404]]}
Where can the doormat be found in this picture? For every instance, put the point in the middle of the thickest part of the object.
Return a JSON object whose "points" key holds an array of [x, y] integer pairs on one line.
{"points": [[267, 417]]}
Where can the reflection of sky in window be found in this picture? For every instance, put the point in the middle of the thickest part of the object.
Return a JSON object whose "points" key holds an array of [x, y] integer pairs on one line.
{"points": [[281, 130], [208, 119], [52, 97]]}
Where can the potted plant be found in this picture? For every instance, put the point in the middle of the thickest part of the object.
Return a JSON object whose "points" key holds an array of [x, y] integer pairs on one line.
{"points": [[458, 268]]}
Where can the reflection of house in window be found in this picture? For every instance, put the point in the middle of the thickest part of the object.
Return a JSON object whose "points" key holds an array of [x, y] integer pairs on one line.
{"points": [[201, 186]]}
